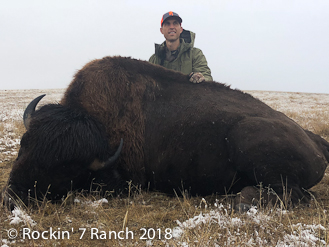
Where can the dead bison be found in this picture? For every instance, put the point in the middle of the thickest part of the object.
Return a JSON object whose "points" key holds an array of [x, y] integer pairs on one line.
{"points": [[206, 138]]}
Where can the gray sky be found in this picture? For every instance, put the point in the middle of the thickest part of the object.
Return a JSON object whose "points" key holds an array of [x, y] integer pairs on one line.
{"points": [[276, 45]]}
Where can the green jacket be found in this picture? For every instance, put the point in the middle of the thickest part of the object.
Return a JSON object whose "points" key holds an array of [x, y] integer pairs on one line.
{"points": [[189, 58]]}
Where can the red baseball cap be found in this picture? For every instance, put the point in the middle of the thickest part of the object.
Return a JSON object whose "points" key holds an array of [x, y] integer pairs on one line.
{"points": [[170, 14]]}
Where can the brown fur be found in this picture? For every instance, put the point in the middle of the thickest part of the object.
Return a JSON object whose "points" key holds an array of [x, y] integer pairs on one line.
{"points": [[128, 85], [206, 137], [126, 95]]}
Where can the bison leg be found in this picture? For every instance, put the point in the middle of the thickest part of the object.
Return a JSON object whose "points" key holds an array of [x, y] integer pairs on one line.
{"points": [[277, 154], [261, 197]]}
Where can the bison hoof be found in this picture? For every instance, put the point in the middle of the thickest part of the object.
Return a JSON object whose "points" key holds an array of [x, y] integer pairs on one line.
{"points": [[242, 207]]}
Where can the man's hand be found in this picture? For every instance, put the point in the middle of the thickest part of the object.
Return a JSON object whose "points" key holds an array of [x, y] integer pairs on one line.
{"points": [[196, 77]]}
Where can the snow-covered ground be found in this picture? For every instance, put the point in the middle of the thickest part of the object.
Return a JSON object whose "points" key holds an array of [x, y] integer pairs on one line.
{"points": [[308, 109], [232, 229], [12, 105], [13, 102]]}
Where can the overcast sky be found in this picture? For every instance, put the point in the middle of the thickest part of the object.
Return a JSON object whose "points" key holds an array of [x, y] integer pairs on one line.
{"points": [[276, 45]]}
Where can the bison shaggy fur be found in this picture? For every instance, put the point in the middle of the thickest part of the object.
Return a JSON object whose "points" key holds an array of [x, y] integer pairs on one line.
{"points": [[206, 137]]}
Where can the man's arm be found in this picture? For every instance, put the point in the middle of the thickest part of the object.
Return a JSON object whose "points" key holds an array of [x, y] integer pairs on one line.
{"points": [[152, 59], [200, 64]]}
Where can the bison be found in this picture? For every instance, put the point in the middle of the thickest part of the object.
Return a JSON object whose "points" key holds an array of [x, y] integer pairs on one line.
{"points": [[207, 138]]}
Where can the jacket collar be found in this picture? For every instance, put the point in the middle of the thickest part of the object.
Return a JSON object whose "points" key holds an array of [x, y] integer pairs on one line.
{"points": [[186, 42]]}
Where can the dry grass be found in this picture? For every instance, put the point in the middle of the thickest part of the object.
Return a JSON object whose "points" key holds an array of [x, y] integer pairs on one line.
{"points": [[321, 129], [192, 221], [309, 110], [2, 128]]}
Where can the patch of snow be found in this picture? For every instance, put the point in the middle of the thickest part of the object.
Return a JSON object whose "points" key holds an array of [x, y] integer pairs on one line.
{"points": [[257, 216], [177, 232], [304, 235], [95, 204], [19, 216], [148, 243], [5, 242]]}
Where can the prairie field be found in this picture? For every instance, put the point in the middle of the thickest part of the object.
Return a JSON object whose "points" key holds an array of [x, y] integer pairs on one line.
{"points": [[144, 218]]}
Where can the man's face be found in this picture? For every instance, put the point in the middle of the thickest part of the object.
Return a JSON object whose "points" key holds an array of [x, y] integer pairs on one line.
{"points": [[171, 29]]}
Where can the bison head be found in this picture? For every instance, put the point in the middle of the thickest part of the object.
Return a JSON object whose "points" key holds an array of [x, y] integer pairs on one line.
{"points": [[63, 149]]}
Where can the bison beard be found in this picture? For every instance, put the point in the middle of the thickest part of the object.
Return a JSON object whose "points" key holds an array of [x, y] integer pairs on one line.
{"points": [[206, 138], [63, 163]]}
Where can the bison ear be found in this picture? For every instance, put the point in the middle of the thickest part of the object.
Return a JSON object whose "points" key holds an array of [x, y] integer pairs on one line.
{"points": [[29, 110], [97, 165]]}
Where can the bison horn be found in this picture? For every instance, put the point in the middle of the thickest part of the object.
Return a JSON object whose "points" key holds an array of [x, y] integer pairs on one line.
{"points": [[29, 110], [97, 165]]}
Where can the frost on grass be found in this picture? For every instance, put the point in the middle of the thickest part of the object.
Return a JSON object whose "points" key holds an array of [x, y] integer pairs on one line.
{"points": [[303, 235], [98, 203], [5, 243], [253, 228], [92, 204], [9, 142], [307, 109], [20, 216]]}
